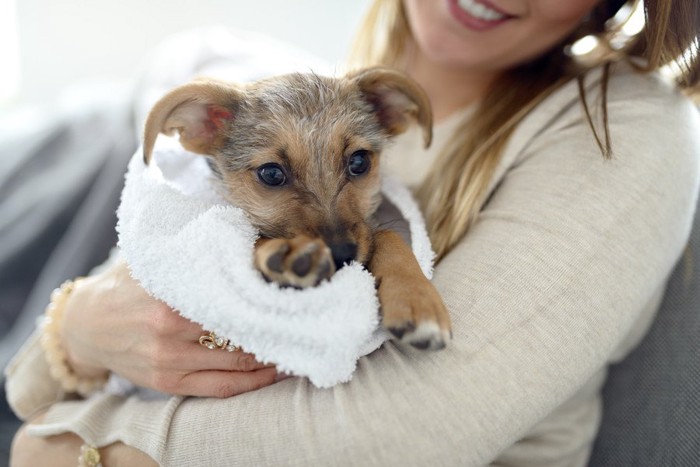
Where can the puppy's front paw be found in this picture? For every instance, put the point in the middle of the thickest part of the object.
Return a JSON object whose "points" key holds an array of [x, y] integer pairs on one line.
{"points": [[298, 262], [414, 313]]}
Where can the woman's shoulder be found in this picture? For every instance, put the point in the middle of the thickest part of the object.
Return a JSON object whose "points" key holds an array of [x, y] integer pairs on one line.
{"points": [[652, 95], [653, 129], [641, 100], [636, 108]]}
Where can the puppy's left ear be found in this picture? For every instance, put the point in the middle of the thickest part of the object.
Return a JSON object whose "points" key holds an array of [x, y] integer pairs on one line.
{"points": [[397, 100], [199, 111]]}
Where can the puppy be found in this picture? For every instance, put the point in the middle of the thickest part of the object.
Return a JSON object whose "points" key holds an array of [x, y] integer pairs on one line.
{"points": [[300, 155]]}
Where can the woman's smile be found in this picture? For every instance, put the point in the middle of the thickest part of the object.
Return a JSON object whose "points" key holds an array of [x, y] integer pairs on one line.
{"points": [[490, 35], [477, 15]]}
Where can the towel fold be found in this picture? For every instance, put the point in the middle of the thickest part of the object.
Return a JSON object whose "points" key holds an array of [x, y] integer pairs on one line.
{"points": [[192, 250]]}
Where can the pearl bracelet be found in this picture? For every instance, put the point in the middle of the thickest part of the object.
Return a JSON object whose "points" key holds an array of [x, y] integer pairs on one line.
{"points": [[53, 351]]}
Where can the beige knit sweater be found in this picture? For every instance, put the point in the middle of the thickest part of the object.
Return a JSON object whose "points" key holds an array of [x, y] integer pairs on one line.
{"points": [[560, 275]]}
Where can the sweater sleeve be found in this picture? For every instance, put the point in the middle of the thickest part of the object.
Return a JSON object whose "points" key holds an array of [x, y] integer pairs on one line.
{"points": [[566, 255], [28, 383]]}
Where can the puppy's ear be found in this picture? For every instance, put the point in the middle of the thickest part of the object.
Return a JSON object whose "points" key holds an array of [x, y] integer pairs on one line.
{"points": [[397, 99], [199, 111]]}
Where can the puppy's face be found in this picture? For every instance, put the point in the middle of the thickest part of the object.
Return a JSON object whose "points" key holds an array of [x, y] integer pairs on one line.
{"points": [[299, 153]]}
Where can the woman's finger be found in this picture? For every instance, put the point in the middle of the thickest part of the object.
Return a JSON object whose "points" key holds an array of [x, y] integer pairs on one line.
{"points": [[166, 356], [202, 358], [223, 384]]}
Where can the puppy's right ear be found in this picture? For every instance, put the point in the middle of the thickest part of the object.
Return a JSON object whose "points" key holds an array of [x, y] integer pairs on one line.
{"points": [[200, 111], [396, 99]]}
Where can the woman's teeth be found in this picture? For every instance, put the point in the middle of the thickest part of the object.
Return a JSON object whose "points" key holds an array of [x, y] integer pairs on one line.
{"points": [[480, 11]]}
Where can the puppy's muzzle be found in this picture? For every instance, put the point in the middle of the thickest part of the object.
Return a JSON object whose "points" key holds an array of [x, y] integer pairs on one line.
{"points": [[343, 253]]}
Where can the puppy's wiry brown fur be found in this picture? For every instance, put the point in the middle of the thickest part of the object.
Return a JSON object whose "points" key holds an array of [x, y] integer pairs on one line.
{"points": [[322, 138]]}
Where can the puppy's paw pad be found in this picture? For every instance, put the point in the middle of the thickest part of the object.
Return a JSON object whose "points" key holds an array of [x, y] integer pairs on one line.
{"points": [[299, 262], [301, 265], [275, 262]]}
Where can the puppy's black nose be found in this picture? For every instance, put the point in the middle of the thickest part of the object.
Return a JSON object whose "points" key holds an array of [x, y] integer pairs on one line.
{"points": [[343, 253]]}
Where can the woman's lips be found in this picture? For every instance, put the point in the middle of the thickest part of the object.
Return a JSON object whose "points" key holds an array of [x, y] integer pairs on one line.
{"points": [[477, 15]]}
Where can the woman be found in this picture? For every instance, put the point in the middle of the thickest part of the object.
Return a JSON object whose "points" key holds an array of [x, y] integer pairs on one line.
{"points": [[558, 197]]}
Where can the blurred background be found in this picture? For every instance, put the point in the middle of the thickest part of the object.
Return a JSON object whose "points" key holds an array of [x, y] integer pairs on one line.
{"points": [[46, 45]]}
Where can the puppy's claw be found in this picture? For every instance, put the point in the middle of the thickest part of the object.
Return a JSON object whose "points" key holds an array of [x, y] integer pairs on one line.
{"points": [[427, 336], [399, 331], [429, 344], [421, 345]]}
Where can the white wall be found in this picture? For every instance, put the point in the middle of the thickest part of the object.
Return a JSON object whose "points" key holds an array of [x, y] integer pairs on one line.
{"points": [[66, 41], [9, 51]]}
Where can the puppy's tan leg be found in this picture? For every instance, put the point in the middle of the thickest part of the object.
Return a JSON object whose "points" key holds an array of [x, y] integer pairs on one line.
{"points": [[297, 262], [412, 309]]}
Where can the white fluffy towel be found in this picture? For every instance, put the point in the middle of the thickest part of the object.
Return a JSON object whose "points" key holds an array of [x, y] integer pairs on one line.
{"points": [[190, 249]]}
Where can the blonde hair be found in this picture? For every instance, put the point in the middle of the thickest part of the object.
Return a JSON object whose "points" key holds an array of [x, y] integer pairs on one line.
{"points": [[455, 188]]}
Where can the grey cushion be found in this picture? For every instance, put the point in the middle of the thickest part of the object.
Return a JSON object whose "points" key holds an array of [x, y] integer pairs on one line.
{"points": [[59, 188], [651, 414]]}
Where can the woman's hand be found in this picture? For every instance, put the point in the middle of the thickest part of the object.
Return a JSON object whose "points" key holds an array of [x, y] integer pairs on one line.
{"points": [[112, 324]]}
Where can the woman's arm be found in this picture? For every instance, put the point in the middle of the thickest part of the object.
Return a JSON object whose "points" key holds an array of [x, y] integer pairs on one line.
{"points": [[142, 340], [112, 325]]}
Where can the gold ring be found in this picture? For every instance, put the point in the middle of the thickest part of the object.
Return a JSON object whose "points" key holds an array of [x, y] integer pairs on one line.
{"points": [[212, 342], [89, 456]]}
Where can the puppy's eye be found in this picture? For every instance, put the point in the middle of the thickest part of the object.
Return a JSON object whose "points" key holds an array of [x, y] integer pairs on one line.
{"points": [[272, 174], [358, 162]]}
